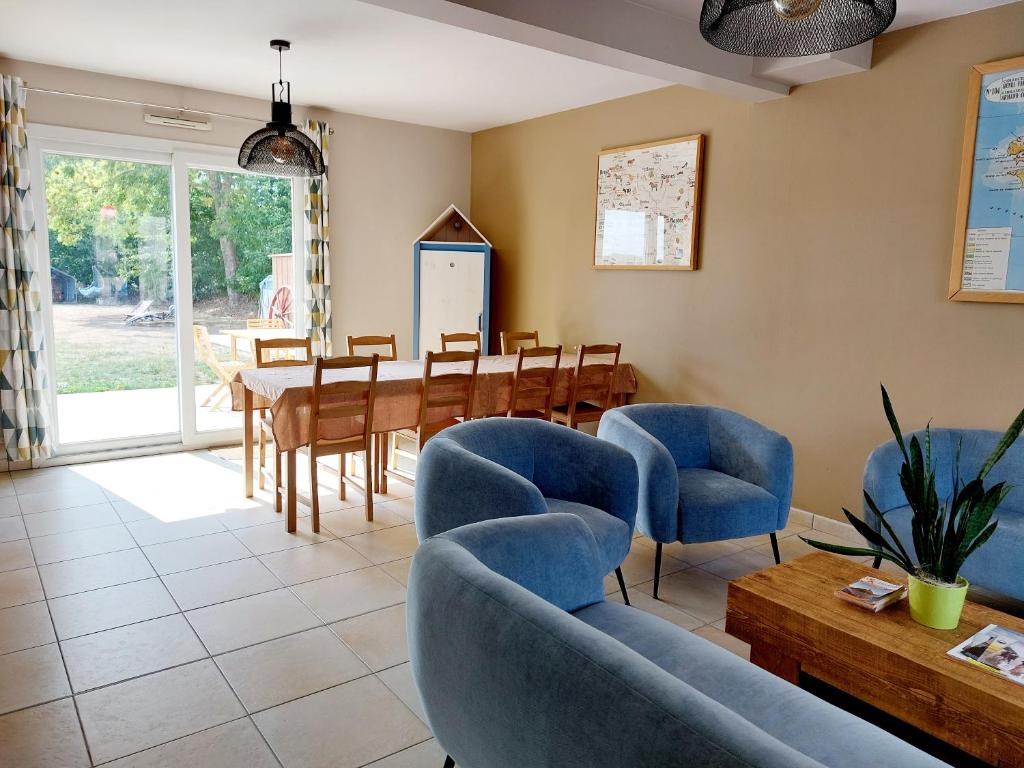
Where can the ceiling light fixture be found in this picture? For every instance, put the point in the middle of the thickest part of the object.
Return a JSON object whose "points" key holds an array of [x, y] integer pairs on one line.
{"points": [[281, 149], [793, 27]]}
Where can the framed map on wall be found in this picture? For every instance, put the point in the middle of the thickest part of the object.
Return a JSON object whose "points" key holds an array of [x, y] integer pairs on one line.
{"points": [[648, 205], [988, 242]]}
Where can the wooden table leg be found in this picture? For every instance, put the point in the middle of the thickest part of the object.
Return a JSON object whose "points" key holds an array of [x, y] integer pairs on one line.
{"points": [[234, 346], [292, 483], [770, 658], [247, 456]]}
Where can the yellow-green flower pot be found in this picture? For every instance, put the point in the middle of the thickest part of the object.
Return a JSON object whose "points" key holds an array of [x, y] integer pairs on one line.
{"points": [[936, 605]]}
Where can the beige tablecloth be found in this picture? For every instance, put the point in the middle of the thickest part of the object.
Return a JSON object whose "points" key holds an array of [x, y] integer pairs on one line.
{"points": [[287, 392]]}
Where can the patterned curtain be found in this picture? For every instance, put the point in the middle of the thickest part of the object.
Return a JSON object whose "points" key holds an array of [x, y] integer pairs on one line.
{"points": [[317, 232], [24, 391]]}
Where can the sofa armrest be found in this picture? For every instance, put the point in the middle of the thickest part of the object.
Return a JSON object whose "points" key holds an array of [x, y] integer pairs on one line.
{"points": [[658, 478], [455, 487]]}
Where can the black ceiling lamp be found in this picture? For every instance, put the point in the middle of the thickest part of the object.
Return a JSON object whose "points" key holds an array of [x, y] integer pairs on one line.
{"points": [[793, 27], [281, 149]]}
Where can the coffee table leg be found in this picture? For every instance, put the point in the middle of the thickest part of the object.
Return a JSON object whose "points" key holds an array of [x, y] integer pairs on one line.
{"points": [[772, 659]]}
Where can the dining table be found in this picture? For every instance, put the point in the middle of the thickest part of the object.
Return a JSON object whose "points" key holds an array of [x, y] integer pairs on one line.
{"points": [[287, 392]]}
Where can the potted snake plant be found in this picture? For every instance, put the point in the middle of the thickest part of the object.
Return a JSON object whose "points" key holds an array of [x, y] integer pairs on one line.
{"points": [[945, 533]]}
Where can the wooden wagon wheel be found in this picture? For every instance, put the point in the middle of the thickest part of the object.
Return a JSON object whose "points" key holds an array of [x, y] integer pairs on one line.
{"points": [[281, 305]]}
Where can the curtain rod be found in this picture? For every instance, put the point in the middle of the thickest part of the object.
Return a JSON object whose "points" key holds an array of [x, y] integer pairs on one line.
{"points": [[134, 103]]}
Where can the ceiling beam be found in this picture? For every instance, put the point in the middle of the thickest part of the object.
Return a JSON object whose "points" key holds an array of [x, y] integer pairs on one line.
{"points": [[616, 33]]}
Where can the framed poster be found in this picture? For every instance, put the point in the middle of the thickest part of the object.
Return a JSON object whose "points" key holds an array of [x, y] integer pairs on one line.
{"points": [[988, 242], [648, 205]]}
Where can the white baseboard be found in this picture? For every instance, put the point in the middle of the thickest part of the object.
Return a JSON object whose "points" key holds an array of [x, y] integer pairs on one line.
{"points": [[828, 525]]}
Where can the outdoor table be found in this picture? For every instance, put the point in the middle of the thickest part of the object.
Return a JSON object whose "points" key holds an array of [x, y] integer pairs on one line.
{"points": [[251, 334]]}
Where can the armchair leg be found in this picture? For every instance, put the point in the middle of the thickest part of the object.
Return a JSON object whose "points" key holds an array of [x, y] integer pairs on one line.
{"points": [[775, 547], [657, 568], [448, 762], [622, 585], [877, 563]]}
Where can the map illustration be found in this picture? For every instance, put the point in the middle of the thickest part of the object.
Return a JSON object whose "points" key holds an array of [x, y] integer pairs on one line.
{"points": [[994, 246], [647, 202]]}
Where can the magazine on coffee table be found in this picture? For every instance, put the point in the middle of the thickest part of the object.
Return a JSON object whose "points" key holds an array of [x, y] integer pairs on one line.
{"points": [[871, 593], [995, 649]]}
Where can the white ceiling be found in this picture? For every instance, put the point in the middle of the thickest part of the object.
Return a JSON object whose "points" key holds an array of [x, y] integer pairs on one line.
{"points": [[347, 55]]}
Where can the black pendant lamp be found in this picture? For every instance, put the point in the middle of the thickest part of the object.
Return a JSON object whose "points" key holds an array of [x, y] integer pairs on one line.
{"points": [[281, 149], [793, 27]]}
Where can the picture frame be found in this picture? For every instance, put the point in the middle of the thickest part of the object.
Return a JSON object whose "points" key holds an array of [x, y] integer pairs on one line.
{"points": [[988, 238], [652, 192]]}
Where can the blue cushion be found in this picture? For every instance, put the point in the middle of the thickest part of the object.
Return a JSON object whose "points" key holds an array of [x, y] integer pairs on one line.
{"points": [[612, 534], [714, 506]]}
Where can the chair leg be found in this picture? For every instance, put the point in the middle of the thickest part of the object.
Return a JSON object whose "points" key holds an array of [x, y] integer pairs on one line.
{"points": [[277, 479], [291, 526], [263, 456], [622, 585], [371, 470], [341, 476], [657, 568], [314, 496], [877, 562], [382, 462], [775, 547], [448, 762]]}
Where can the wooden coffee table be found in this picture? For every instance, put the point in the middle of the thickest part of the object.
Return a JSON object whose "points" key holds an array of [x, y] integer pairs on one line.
{"points": [[794, 623]]}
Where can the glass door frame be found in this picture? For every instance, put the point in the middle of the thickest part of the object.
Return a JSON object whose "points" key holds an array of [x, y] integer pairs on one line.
{"points": [[178, 156]]}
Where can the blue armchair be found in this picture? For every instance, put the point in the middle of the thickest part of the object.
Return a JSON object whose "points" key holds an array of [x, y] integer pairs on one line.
{"points": [[491, 468], [998, 564], [706, 474], [520, 661]]}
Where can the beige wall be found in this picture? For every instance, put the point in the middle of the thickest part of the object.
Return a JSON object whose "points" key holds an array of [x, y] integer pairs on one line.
{"points": [[388, 180], [825, 246]]}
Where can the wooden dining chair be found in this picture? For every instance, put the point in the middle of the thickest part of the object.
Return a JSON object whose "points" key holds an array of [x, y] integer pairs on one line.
{"points": [[534, 384], [349, 400], [441, 389], [511, 340], [460, 338], [224, 370], [277, 353], [590, 393], [381, 440]]}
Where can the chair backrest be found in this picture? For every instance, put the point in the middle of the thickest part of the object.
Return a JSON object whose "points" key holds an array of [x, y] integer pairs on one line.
{"points": [[460, 338], [593, 381], [510, 340], [348, 399], [451, 390], [264, 322], [533, 387], [355, 342], [276, 353], [201, 335]]}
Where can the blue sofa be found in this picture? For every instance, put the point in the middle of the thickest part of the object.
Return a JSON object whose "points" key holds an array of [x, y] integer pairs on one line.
{"points": [[490, 468], [521, 663], [998, 566], [706, 474]]}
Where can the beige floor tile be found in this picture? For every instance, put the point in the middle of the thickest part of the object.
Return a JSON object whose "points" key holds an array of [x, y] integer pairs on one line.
{"points": [[793, 547], [31, 677], [246, 518], [110, 607], [343, 727], [18, 587], [401, 683], [384, 546], [404, 506], [62, 498], [175, 556], [236, 744], [350, 594], [134, 715], [378, 637], [94, 541], [131, 513], [220, 583], [399, 570], [25, 626], [277, 671], [792, 529], [730, 643], [249, 620], [644, 602], [157, 531], [274, 537], [6, 485], [352, 521], [695, 554], [427, 754], [695, 592], [638, 566], [47, 736], [293, 566], [742, 563], [72, 576], [9, 506], [15, 555], [49, 478], [11, 528], [138, 649], [73, 519]]}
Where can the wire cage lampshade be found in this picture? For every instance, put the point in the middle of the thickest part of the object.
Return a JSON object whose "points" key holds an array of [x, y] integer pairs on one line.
{"points": [[281, 149], [793, 27]]}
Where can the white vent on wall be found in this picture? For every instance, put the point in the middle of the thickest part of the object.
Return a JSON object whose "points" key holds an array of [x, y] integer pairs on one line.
{"points": [[177, 121]]}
